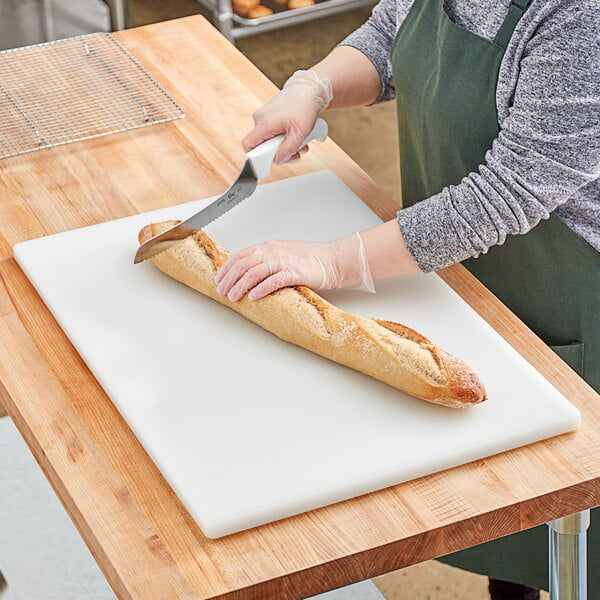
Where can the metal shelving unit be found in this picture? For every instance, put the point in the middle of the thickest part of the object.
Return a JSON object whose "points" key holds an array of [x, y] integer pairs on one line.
{"points": [[234, 27], [117, 12], [230, 24]]}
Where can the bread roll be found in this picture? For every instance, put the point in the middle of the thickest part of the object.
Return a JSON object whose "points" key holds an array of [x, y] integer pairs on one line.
{"points": [[244, 6], [387, 351], [259, 11], [293, 4]]}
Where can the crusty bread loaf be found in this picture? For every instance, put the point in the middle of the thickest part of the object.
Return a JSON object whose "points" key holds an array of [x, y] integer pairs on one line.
{"points": [[387, 351]]}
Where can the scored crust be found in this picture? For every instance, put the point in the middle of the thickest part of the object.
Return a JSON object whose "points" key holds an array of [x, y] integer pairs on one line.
{"points": [[387, 351]]}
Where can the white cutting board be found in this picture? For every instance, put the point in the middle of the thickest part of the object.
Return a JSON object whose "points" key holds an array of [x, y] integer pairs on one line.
{"points": [[247, 428]]}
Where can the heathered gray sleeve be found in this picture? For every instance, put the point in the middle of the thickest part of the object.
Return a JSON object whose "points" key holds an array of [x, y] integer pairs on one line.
{"points": [[375, 38], [548, 149], [547, 155]]}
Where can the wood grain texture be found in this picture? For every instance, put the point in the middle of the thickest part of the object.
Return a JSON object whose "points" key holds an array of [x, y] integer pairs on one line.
{"points": [[143, 539]]}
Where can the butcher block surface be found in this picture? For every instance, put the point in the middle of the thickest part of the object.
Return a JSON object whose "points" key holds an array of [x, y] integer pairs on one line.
{"points": [[143, 538], [247, 428]]}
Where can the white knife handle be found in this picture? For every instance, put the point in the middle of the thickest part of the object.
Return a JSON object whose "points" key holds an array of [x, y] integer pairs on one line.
{"points": [[262, 156]]}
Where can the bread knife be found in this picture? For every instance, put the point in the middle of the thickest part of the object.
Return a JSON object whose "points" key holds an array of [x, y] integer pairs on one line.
{"points": [[257, 166]]}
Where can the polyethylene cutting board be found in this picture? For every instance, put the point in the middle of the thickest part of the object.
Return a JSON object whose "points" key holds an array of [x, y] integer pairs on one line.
{"points": [[247, 428]]}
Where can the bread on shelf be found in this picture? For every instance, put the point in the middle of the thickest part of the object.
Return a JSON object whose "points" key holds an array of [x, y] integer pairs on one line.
{"points": [[293, 4], [259, 11], [244, 6]]}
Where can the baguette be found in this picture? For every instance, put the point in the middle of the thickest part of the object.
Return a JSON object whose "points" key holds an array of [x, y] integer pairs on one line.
{"points": [[387, 351]]}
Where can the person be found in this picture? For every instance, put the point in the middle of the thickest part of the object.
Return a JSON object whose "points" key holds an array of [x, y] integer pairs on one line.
{"points": [[498, 105]]}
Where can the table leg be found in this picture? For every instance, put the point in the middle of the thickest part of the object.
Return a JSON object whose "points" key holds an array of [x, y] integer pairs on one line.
{"points": [[568, 556], [48, 20], [118, 14], [224, 18]]}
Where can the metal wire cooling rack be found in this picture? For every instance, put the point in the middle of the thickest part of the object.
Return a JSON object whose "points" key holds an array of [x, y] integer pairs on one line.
{"points": [[73, 90]]}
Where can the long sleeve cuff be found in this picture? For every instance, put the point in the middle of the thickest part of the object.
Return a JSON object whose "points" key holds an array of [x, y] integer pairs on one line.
{"points": [[432, 234]]}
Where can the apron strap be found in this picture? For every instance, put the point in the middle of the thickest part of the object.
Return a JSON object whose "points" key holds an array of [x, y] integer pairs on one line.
{"points": [[515, 12]]}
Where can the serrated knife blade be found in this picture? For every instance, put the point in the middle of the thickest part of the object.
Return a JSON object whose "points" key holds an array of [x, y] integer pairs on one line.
{"points": [[257, 166]]}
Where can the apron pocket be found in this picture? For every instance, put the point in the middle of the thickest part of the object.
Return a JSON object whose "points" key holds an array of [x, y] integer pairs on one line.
{"points": [[572, 354]]}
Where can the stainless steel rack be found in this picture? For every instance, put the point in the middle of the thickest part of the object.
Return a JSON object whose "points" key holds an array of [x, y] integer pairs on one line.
{"points": [[75, 89], [234, 27]]}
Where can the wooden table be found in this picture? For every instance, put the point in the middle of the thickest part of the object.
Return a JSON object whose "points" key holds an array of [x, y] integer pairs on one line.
{"points": [[145, 542]]}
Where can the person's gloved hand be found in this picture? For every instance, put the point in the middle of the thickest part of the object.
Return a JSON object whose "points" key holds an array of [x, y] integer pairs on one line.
{"points": [[265, 268], [293, 111]]}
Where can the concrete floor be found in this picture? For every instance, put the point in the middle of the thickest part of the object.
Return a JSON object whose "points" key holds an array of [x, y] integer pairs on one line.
{"points": [[366, 134]]}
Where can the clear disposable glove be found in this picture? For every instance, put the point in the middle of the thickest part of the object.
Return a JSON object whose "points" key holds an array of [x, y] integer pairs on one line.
{"points": [[293, 111], [262, 269]]}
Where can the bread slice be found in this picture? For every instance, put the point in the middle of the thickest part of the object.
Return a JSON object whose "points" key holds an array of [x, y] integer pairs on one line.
{"points": [[390, 352]]}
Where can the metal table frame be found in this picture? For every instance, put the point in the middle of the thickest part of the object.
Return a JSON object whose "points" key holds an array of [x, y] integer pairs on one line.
{"points": [[118, 13], [568, 556]]}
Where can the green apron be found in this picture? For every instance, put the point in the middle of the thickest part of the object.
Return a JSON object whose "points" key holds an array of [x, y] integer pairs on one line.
{"points": [[445, 79]]}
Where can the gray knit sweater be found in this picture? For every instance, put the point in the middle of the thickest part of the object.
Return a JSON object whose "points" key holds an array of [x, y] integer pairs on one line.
{"points": [[547, 155]]}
